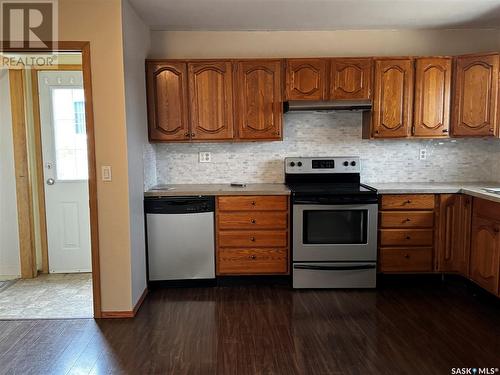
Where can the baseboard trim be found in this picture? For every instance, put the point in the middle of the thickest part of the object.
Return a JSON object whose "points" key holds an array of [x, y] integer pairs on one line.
{"points": [[140, 301], [117, 314], [125, 314]]}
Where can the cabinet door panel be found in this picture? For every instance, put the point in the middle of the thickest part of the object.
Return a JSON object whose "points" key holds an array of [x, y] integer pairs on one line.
{"points": [[306, 79], [167, 101], [350, 78], [454, 233], [485, 251], [476, 96], [259, 105], [211, 99], [432, 97], [392, 104]]}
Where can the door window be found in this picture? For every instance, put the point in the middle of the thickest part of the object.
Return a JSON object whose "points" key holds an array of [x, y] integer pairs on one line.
{"points": [[335, 226], [70, 137]]}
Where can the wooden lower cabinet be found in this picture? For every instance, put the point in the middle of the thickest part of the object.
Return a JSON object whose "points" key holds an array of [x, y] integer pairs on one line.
{"points": [[406, 235], [447, 233], [252, 235], [453, 245], [485, 245], [252, 261], [410, 259]]}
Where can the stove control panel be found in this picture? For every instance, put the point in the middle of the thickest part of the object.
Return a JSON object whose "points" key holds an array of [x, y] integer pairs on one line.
{"points": [[310, 165]]}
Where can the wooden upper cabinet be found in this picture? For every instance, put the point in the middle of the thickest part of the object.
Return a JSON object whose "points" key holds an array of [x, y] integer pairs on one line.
{"points": [[306, 79], [485, 252], [453, 247], [259, 105], [392, 100], [475, 98], [167, 101], [431, 112], [350, 79], [211, 100]]}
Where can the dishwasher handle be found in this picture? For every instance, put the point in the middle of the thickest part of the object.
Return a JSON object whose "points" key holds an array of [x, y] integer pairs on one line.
{"points": [[179, 205]]}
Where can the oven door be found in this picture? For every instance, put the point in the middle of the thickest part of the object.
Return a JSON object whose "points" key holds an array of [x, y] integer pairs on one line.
{"points": [[334, 232]]}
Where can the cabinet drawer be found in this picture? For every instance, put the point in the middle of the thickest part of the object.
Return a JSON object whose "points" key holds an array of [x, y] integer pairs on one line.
{"points": [[253, 203], [406, 237], [408, 202], [407, 219], [406, 259], [253, 220], [254, 238], [252, 261]]}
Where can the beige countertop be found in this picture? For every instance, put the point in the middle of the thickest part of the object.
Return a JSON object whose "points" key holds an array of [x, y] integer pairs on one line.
{"points": [[216, 189], [472, 188]]}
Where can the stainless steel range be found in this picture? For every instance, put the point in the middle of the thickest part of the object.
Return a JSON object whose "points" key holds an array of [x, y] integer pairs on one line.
{"points": [[334, 223]]}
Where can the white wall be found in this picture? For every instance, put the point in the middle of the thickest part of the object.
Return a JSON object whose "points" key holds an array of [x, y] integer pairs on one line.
{"points": [[219, 44], [135, 49], [9, 235]]}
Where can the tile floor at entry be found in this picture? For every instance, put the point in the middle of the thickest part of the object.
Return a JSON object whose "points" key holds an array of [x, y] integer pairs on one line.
{"points": [[53, 296]]}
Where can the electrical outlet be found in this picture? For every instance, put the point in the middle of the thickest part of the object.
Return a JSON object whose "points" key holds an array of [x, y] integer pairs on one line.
{"points": [[423, 154], [205, 157]]}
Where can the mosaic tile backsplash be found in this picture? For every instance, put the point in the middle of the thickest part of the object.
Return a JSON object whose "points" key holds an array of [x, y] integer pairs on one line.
{"points": [[328, 134]]}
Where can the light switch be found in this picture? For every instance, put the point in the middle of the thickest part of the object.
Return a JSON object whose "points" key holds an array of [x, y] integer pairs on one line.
{"points": [[106, 173]]}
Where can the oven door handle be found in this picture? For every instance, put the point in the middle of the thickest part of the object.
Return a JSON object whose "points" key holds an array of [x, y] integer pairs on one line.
{"points": [[334, 268]]}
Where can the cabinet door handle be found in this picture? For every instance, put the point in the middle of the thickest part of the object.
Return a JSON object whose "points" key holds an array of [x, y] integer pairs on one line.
{"points": [[193, 135], [186, 135], [445, 130], [496, 230]]}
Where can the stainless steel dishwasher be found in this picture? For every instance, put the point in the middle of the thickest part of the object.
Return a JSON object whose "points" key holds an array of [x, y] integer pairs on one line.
{"points": [[180, 238]]}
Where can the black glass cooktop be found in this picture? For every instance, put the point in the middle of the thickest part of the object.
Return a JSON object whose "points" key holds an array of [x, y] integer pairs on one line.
{"points": [[330, 188]]}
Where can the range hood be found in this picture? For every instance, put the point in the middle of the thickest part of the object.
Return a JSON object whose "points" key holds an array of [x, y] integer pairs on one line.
{"points": [[327, 105]]}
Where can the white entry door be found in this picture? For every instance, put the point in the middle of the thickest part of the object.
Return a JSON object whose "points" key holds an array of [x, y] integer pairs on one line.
{"points": [[64, 146]]}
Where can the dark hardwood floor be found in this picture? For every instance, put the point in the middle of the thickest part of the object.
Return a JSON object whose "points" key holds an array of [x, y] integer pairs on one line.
{"points": [[268, 330]]}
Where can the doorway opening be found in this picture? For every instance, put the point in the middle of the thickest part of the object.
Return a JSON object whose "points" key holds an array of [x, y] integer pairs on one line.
{"points": [[52, 191]]}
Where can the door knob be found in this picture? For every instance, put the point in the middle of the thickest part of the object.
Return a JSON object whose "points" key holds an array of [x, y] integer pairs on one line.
{"points": [[51, 181]]}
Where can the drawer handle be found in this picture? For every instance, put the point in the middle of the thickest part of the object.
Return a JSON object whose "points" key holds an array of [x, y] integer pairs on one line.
{"points": [[408, 201], [252, 221], [407, 256], [253, 257], [252, 239], [407, 220], [253, 203], [496, 230], [408, 237]]}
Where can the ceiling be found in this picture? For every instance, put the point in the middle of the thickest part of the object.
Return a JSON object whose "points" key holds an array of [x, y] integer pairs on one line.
{"points": [[317, 14]]}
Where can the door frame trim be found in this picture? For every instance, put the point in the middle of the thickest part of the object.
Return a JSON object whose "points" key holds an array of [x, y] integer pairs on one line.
{"points": [[39, 156], [84, 48], [23, 180]]}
